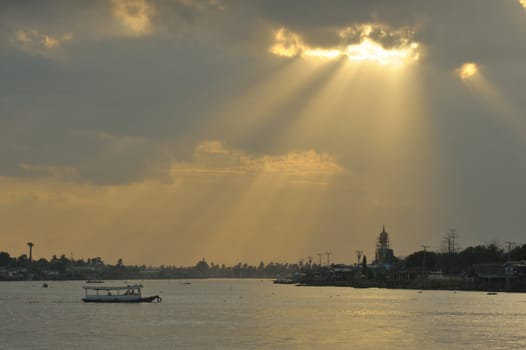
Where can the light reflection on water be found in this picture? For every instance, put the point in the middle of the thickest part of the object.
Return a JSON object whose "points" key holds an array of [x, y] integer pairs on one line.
{"points": [[256, 314]]}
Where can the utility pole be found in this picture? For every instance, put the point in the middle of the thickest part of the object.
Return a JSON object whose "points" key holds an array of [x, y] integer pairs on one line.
{"points": [[359, 254], [450, 237], [510, 245], [508, 271], [453, 234], [424, 262], [328, 255], [319, 256]]}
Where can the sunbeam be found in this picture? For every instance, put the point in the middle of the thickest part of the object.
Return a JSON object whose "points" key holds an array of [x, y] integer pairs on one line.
{"points": [[488, 95], [257, 106]]}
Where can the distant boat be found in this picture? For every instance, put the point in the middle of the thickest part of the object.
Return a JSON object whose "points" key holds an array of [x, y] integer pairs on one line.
{"points": [[287, 280], [94, 281], [44, 285], [117, 294]]}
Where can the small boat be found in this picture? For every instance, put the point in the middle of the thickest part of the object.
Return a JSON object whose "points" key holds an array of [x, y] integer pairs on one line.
{"points": [[287, 280], [118, 294], [44, 285]]}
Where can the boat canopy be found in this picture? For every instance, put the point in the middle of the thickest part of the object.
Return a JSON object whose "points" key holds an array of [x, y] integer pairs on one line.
{"points": [[130, 286]]}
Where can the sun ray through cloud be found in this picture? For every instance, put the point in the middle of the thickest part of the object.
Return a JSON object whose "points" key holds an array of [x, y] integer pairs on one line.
{"points": [[488, 94], [263, 104], [273, 193], [290, 44], [194, 124]]}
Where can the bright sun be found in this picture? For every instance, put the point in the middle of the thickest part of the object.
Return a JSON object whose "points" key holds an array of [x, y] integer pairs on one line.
{"points": [[368, 50], [290, 44], [467, 70]]}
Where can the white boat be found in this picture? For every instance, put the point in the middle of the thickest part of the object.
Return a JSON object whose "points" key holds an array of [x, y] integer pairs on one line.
{"points": [[117, 294]]}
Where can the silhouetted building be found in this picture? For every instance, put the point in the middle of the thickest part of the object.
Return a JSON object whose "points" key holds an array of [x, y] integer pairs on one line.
{"points": [[384, 253]]}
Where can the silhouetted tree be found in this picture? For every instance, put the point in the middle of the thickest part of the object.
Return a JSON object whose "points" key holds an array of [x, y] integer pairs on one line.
{"points": [[22, 260], [5, 259], [415, 260], [490, 253], [519, 253]]}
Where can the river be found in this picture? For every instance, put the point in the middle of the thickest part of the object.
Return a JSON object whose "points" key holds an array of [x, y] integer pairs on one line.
{"points": [[256, 314]]}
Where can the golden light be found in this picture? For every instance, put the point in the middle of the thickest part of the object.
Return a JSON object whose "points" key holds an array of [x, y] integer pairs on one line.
{"points": [[523, 3], [489, 95], [23, 36], [135, 15], [322, 53], [290, 44], [287, 43], [368, 50], [35, 41], [50, 42], [259, 187], [467, 70]]}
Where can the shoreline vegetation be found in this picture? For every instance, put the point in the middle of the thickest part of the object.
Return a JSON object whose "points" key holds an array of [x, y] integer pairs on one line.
{"points": [[478, 268]]}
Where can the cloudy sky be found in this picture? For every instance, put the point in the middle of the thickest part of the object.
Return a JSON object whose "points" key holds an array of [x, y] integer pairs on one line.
{"points": [[162, 132]]}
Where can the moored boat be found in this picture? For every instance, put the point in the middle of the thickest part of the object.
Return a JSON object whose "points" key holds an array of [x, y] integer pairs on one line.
{"points": [[117, 294], [287, 280]]}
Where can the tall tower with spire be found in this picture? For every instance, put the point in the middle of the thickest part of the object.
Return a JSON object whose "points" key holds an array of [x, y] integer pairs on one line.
{"points": [[384, 254], [30, 245]]}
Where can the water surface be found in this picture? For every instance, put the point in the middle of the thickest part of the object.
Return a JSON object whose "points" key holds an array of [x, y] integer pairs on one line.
{"points": [[256, 314]]}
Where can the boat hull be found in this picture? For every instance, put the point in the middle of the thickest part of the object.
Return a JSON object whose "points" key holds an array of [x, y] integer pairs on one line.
{"points": [[151, 299]]}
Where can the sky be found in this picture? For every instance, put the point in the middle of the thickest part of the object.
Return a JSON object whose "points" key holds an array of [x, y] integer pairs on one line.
{"points": [[164, 132]]}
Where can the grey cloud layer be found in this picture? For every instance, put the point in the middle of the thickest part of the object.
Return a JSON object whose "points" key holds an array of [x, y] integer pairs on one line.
{"points": [[120, 92], [159, 85]]}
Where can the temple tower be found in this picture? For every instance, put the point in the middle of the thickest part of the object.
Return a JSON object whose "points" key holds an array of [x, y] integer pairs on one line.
{"points": [[384, 253]]}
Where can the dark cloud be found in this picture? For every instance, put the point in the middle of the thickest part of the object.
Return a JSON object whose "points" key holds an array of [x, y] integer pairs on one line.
{"points": [[116, 103], [196, 44], [453, 31]]}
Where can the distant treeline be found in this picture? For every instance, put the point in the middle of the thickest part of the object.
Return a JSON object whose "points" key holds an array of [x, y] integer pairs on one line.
{"points": [[454, 262], [62, 267]]}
